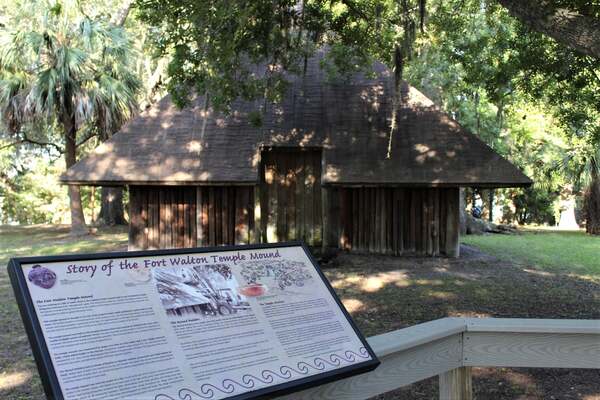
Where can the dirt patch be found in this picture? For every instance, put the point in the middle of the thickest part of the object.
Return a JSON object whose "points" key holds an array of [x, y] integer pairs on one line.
{"points": [[386, 293]]}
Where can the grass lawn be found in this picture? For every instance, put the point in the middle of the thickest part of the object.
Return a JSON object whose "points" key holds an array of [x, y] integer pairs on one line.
{"points": [[36, 240], [552, 250], [535, 275]]}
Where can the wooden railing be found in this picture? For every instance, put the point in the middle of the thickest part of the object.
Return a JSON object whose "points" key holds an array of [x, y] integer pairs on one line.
{"points": [[449, 347]]}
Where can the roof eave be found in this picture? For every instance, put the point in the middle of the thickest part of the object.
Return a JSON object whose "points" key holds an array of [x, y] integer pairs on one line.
{"points": [[487, 185], [155, 183]]}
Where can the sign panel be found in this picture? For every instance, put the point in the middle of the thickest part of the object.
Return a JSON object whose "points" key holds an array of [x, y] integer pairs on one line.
{"points": [[230, 322]]}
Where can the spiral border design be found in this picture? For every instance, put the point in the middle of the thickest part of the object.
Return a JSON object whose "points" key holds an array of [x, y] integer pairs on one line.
{"points": [[267, 376]]}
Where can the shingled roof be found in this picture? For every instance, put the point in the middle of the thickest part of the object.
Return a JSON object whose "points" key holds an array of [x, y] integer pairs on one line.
{"points": [[349, 119]]}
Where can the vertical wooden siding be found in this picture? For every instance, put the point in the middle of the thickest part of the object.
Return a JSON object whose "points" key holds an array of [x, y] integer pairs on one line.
{"points": [[162, 217], [397, 221], [291, 196], [225, 215], [378, 220]]}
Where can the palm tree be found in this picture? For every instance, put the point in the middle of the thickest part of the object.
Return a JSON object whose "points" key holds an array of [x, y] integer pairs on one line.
{"points": [[71, 72]]}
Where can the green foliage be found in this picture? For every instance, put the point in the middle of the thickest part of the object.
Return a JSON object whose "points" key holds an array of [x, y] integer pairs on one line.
{"points": [[243, 49], [529, 98], [30, 192], [66, 67], [34, 197], [65, 78], [534, 206]]}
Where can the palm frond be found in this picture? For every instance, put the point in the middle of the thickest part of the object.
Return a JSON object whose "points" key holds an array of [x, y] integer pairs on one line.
{"points": [[79, 68]]}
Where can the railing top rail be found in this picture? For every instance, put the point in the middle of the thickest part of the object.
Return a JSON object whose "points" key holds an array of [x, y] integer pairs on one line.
{"points": [[531, 325], [433, 348], [406, 338], [416, 335]]}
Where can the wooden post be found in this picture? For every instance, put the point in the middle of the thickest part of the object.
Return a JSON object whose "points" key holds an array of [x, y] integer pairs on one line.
{"points": [[456, 384], [93, 199], [256, 234], [325, 212], [200, 234], [491, 205], [452, 223], [134, 219]]}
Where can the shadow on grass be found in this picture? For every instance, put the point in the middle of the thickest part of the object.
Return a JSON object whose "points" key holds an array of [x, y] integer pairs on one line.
{"points": [[388, 293]]}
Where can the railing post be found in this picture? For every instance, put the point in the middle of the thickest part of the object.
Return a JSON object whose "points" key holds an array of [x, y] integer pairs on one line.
{"points": [[456, 384]]}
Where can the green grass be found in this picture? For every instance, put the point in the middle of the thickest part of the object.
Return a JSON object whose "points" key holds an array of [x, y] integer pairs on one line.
{"points": [[37, 240], [556, 251]]}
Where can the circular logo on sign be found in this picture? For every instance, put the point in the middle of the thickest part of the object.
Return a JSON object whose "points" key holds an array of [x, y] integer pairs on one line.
{"points": [[42, 277], [140, 275]]}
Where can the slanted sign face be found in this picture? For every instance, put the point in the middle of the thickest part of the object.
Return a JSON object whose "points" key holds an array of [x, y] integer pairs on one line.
{"points": [[173, 325]]}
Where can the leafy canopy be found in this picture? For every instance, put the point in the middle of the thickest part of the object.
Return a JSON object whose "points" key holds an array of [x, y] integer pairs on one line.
{"points": [[215, 45], [57, 66]]}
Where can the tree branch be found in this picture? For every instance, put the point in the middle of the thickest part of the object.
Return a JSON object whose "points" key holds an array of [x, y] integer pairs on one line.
{"points": [[6, 146], [121, 16], [27, 139], [574, 30], [85, 139]]}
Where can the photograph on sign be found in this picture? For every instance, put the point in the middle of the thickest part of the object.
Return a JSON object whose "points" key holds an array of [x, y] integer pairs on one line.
{"points": [[221, 323]]}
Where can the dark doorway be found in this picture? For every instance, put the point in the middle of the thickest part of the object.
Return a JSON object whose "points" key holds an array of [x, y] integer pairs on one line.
{"points": [[291, 195]]}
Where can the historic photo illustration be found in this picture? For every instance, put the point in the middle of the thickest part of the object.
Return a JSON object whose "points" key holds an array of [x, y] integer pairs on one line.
{"points": [[207, 290], [272, 276]]}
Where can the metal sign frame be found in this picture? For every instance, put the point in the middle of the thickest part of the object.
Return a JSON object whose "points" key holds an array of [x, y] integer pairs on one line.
{"points": [[42, 355]]}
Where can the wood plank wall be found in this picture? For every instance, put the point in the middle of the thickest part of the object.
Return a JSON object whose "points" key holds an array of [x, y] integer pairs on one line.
{"points": [[290, 191], [162, 217], [225, 215], [421, 221]]}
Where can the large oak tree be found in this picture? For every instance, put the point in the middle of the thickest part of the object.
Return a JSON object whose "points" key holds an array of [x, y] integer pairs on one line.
{"points": [[575, 24]]}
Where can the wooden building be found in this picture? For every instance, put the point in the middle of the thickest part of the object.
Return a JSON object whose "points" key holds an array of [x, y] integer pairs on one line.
{"points": [[314, 169]]}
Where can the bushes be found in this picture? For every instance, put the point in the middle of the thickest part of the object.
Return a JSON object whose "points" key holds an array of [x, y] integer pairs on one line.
{"points": [[535, 206], [34, 197]]}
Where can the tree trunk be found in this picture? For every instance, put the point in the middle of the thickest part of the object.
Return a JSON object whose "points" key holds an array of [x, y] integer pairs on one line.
{"points": [[491, 205], [463, 211], [78, 227], [574, 30], [111, 209], [111, 198], [592, 203], [121, 15]]}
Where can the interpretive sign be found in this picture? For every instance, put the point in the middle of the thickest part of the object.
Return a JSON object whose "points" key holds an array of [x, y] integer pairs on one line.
{"points": [[189, 324]]}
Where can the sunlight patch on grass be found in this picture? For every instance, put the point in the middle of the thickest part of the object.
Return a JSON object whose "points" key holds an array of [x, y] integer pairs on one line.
{"points": [[14, 379], [436, 294], [37, 240], [353, 305], [372, 283], [375, 283], [429, 282]]}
